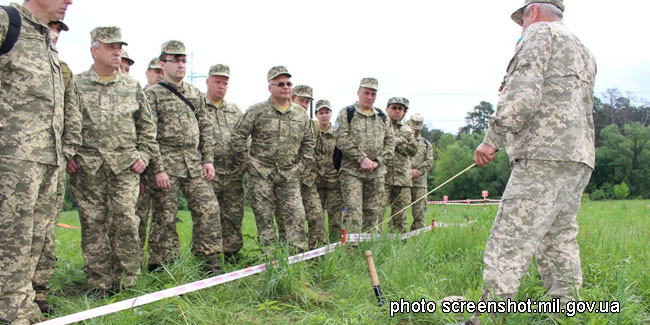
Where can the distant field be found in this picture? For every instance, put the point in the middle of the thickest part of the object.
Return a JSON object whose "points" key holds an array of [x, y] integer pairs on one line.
{"points": [[335, 289]]}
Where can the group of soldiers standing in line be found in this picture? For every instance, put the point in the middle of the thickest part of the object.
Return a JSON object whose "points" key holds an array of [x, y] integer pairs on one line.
{"points": [[129, 150]]}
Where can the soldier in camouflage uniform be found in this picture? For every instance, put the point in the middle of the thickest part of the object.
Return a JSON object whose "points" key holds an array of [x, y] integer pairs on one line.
{"points": [[31, 124], [367, 142], [127, 62], [327, 182], [282, 146], [544, 121], [71, 141], [186, 142], [154, 73], [228, 183], [303, 95], [118, 141], [398, 170], [421, 163]]}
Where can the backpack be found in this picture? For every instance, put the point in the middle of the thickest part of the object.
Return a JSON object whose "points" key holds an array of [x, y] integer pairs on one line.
{"points": [[337, 157], [15, 24]]}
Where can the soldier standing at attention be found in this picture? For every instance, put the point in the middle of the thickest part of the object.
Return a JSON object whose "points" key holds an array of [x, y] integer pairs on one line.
{"points": [[421, 163], [282, 144], [366, 140], [31, 125], [185, 161], [544, 121], [127, 62], [327, 182], [228, 183], [398, 169], [118, 140], [154, 73]]}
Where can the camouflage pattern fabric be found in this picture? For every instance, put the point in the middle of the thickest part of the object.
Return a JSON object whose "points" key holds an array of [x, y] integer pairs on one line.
{"points": [[367, 135], [314, 214], [537, 217], [31, 114], [327, 183], [143, 209], [282, 145], [422, 161], [223, 120], [398, 174], [398, 197]]}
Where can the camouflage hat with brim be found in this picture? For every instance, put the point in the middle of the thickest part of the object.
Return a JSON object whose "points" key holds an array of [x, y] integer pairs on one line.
{"points": [[371, 83], [125, 56], [416, 122], [302, 91], [323, 103], [154, 64], [399, 100], [220, 70], [107, 35], [518, 15], [277, 71], [173, 47], [62, 26]]}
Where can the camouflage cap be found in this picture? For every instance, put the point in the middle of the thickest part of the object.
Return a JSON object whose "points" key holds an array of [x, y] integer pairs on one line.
{"points": [[323, 103], [518, 15], [220, 70], [62, 26], [107, 35], [371, 83], [399, 100], [173, 47], [416, 122], [154, 64], [277, 71], [125, 56], [302, 91]]}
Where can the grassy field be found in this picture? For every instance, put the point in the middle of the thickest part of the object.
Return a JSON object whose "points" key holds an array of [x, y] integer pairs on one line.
{"points": [[335, 289]]}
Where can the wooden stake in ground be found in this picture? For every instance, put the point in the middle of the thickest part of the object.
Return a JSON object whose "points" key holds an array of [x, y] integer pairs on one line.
{"points": [[374, 278]]}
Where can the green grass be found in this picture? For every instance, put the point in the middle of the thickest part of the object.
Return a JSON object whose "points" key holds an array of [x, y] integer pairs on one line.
{"points": [[335, 289]]}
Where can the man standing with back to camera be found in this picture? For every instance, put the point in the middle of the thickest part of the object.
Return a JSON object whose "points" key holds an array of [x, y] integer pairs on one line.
{"points": [[544, 121]]}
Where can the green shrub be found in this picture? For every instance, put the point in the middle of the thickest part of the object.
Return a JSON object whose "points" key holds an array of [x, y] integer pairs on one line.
{"points": [[621, 191]]}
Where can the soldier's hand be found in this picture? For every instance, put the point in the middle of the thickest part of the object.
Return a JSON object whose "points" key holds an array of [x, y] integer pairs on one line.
{"points": [[162, 181], [366, 165], [484, 154], [208, 171], [138, 166], [415, 174], [72, 167]]}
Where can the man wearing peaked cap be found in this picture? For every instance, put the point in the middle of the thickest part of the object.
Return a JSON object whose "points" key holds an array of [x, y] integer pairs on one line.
{"points": [[282, 147], [105, 171], [366, 140], [421, 163], [398, 170], [185, 163], [127, 62], [154, 73], [228, 183], [544, 121], [31, 126]]}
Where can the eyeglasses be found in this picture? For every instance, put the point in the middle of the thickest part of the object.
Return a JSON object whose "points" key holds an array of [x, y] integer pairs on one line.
{"points": [[176, 60], [282, 84]]}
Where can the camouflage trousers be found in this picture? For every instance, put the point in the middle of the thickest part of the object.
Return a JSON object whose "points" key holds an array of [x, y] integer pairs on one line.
{"points": [[109, 227], [332, 200], [27, 201], [364, 202], [314, 214], [419, 208], [275, 191], [537, 216], [143, 211], [398, 197], [229, 190], [47, 261], [207, 243]]}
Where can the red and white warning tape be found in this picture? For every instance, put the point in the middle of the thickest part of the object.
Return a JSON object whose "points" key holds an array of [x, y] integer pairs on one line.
{"points": [[211, 282]]}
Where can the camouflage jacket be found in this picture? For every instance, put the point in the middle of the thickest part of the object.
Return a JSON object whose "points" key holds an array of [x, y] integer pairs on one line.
{"points": [[422, 161], [72, 120], [186, 141], [223, 120], [545, 107], [117, 124], [324, 151], [365, 136], [31, 94], [309, 173], [281, 142], [398, 169]]}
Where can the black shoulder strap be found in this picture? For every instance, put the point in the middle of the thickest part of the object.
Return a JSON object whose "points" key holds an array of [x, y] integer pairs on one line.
{"points": [[381, 114], [350, 110], [179, 95], [15, 24]]}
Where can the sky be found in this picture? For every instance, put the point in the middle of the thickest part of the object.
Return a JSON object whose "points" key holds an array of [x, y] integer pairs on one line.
{"points": [[444, 56]]}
